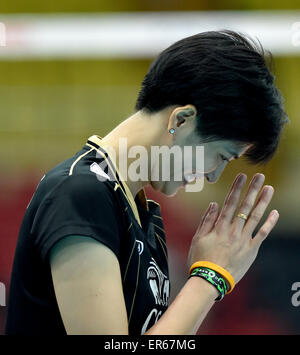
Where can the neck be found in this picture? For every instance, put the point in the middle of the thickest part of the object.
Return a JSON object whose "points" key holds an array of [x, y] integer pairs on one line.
{"points": [[139, 130]]}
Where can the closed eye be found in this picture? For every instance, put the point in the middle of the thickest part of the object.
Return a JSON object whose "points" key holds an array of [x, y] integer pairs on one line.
{"points": [[224, 158]]}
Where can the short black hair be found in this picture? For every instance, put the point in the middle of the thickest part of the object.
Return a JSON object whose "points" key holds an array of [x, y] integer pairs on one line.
{"points": [[227, 76]]}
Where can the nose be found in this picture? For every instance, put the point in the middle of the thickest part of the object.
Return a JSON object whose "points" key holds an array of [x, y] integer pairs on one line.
{"points": [[213, 176]]}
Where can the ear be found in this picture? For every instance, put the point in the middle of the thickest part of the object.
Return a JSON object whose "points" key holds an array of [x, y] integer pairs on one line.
{"points": [[182, 115]]}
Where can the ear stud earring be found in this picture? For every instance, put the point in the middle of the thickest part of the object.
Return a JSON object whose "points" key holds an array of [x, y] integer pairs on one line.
{"points": [[172, 130]]}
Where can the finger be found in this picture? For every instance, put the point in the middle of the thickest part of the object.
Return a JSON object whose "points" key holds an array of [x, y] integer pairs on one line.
{"points": [[232, 187], [229, 193], [248, 201], [203, 217], [209, 220], [258, 211], [266, 228], [231, 202]]}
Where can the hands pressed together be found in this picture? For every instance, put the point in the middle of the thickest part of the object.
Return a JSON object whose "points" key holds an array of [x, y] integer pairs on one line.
{"points": [[226, 239]]}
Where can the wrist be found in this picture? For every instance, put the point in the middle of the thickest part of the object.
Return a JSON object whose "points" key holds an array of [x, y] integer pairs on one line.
{"points": [[213, 278], [203, 286], [223, 275]]}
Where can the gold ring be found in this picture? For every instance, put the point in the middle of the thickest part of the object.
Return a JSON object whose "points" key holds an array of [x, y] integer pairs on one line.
{"points": [[242, 215]]}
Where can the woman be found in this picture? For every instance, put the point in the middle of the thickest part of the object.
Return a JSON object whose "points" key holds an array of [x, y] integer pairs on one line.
{"points": [[91, 255]]}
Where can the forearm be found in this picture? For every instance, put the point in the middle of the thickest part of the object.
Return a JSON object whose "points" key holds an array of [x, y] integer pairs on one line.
{"points": [[188, 310]]}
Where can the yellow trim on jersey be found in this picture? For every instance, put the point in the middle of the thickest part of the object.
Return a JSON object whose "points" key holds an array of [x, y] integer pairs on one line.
{"points": [[95, 139], [77, 160], [162, 245]]}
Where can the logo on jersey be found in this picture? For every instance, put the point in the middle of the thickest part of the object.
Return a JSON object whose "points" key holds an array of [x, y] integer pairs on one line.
{"points": [[95, 168], [140, 246], [160, 286]]}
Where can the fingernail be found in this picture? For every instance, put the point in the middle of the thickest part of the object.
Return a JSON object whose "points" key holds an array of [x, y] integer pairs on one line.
{"points": [[274, 214], [242, 178], [238, 176], [213, 207], [269, 188]]}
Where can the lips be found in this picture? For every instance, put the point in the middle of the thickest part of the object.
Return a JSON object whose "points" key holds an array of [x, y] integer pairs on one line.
{"points": [[207, 177]]}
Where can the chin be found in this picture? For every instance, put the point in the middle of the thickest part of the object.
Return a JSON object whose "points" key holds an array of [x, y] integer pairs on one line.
{"points": [[211, 182]]}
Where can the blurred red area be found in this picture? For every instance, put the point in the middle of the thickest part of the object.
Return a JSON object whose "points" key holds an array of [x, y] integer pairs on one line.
{"points": [[233, 315]]}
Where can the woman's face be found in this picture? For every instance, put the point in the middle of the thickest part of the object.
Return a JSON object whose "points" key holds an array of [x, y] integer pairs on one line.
{"points": [[209, 163]]}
